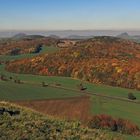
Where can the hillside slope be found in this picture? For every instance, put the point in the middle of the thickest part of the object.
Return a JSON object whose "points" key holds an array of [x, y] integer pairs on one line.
{"points": [[21, 123], [102, 60]]}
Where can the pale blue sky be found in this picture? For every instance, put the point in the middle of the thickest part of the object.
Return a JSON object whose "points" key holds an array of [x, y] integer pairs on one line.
{"points": [[69, 14]]}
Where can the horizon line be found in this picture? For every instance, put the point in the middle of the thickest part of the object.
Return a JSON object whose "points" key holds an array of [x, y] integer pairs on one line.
{"points": [[69, 29]]}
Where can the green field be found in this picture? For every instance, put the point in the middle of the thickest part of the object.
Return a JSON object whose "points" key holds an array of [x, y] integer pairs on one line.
{"points": [[13, 91]]}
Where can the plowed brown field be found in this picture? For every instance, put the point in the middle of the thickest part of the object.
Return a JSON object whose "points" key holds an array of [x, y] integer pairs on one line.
{"points": [[72, 108]]}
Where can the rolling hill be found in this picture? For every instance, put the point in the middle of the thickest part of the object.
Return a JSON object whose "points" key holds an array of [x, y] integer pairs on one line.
{"points": [[95, 62], [101, 60]]}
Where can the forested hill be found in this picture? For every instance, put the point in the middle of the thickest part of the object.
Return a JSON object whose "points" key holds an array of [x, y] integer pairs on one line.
{"points": [[103, 60]]}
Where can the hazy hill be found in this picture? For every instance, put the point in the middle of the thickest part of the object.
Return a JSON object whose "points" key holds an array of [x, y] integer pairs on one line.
{"points": [[124, 35], [54, 36], [78, 37], [131, 37], [19, 36], [25, 36]]}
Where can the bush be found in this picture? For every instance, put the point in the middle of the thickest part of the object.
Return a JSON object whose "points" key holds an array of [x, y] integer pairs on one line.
{"points": [[131, 96], [15, 51], [38, 48], [81, 87], [3, 77], [43, 84], [119, 125], [127, 127]]}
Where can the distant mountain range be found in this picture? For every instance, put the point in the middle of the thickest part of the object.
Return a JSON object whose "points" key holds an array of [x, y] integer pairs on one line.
{"points": [[73, 34], [130, 37], [69, 33], [124, 35]]}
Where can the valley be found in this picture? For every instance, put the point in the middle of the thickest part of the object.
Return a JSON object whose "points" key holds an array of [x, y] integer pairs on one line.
{"points": [[60, 95]]}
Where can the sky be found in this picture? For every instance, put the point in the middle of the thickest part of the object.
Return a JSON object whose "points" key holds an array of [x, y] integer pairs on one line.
{"points": [[69, 14]]}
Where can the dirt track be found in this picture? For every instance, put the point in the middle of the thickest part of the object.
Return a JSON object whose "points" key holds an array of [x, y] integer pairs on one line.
{"points": [[73, 108]]}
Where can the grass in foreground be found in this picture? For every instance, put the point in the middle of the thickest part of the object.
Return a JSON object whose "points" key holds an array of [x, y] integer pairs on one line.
{"points": [[34, 126]]}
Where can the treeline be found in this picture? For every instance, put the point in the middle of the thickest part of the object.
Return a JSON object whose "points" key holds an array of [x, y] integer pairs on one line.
{"points": [[118, 125], [101, 60]]}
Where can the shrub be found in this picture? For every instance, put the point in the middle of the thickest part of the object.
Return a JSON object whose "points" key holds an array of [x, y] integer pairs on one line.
{"points": [[131, 96], [43, 84], [3, 77], [119, 125], [81, 87], [38, 48], [15, 51]]}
